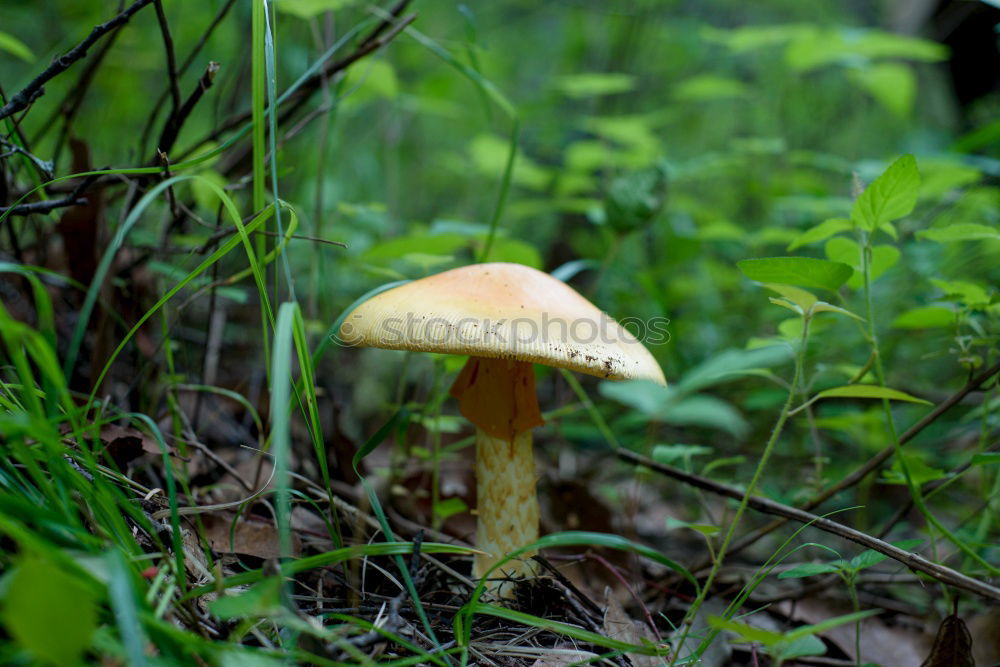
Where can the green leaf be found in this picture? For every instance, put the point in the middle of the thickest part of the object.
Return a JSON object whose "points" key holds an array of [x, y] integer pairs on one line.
{"points": [[449, 507], [707, 411], [986, 458], [824, 307], [16, 47], [869, 391], [420, 243], [831, 623], [963, 231], [893, 85], [730, 364], [889, 197], [848, 251], [821, 232], [668, 454], [800, 297], [376, 79], [801, 647], [594, 84], [870, 557], [919, 471], [49, 611], [634, 199], [747, 632], [705, 529], [969, 293], [800, 271], [925, 317], [516, 252], [808, 570], [261, 600]]}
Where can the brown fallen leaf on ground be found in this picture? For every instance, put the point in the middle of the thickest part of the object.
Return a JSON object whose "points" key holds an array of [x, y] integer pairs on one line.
{"points": [[619, 625], [249, 537], [124, 444]]}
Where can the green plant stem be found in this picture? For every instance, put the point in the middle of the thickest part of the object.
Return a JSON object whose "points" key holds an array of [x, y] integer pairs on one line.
{"points": [[915, 493], [761, 465]]}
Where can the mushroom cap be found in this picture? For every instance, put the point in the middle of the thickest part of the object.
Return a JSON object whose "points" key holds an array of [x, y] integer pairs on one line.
{"points": [[501, 311]]}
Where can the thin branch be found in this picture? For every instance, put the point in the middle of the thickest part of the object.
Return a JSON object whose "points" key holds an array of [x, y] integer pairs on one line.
{"points": [[148, 127], [168, 48], [941, 573], [315, 82], [74, 199], [44, 167], [173, 125], [24, 98]]}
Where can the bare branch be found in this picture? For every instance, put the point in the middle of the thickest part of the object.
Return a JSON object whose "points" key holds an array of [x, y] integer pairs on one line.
{"points": [[173, 125], [23, 98], [943, 574], [73, 199]]}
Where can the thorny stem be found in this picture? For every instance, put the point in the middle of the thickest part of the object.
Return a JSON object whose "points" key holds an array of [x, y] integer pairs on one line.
{"points": [[761, 465], [915, 493]]}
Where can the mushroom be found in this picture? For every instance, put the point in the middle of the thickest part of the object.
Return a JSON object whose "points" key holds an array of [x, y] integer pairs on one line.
{"points": [[505, 317]]}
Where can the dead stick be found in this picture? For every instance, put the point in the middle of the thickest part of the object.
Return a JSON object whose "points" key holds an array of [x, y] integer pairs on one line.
{"points": [[913, 561]]}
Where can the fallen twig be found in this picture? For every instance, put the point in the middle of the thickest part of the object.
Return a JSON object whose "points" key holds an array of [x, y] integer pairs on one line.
{"points": [[942, 573]]}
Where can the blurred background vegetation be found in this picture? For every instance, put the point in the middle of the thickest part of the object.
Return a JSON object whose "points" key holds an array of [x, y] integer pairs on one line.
{"points": [[656, 143]]}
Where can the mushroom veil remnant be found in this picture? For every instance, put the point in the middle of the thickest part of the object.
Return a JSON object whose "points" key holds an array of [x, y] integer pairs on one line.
{"points": [[505, 317]]}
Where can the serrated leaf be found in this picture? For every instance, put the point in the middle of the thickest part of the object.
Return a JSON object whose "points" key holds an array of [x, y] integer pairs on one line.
{"points": [[925, 317], [889, 197], [869, 391], [799, 271], [963, 231], [821, 232], [808, 570]]}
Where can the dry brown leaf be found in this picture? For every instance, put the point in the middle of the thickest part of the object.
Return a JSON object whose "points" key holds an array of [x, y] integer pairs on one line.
{"points": [[249, 537], [563, 657], [618, 625], [124, 444]]}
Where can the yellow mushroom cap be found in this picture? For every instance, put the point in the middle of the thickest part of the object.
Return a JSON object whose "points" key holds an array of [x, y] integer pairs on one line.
{"points": [[501, 311]]}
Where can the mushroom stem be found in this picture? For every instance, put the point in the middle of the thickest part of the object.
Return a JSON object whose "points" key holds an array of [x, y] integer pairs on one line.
{"points": [[498, 396], [507, 504]]}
